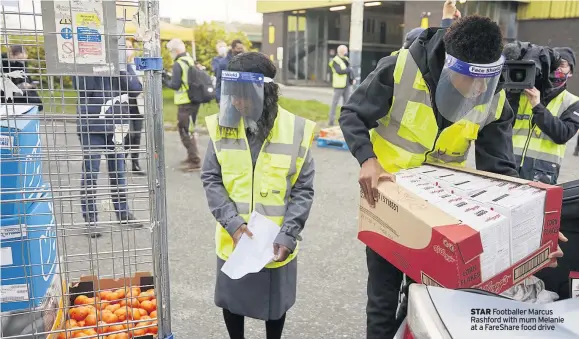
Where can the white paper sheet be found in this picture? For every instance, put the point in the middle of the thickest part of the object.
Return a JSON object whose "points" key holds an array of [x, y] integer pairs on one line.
{"points": [[251, 255]]}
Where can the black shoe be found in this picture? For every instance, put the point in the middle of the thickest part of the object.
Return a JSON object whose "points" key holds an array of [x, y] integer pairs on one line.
{"points": [[92, 231], [137, 170], [129, 220]]}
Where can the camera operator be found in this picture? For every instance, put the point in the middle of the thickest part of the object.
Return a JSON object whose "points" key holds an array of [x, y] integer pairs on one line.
{"points": [[546, 118]]}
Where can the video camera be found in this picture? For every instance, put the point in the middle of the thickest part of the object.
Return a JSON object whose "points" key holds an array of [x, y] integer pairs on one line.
{"points": [[527, 65], [518, 75]]}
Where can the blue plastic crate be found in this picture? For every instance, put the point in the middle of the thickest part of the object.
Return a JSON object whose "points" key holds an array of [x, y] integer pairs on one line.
{"points": [[333, 143], [29, 256], [20, 161]]}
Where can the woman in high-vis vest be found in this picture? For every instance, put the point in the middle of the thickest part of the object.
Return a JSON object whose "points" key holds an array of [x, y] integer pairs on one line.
{"points": [[258, 161], [429, 103], [547, 118]]}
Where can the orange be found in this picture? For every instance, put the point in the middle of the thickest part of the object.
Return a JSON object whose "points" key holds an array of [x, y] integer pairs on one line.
{"points": [[109, 317], [113, 297], [90, 301], [70, 323], [90, 308], [90, 320], [121, 292], [113, 308], [136, 291], [122, 336], [145, 317], [104, 304], [116, 327], [152, 291], [79, 313], [121, 313], [148, 306], [139, 331], [91, 332], [132, 302], [80, 300], [145, 296], [103, 294], [152, 329], [81, 323], [143, 312], [136, 314], [154, 302], [153, 314], [102, 327]]}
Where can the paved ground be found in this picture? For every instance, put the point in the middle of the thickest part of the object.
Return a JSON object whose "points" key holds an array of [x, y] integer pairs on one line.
{"points": [[332, 271]]}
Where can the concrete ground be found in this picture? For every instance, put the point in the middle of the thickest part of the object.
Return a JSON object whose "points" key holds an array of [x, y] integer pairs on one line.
{"points": [[332, 269]]}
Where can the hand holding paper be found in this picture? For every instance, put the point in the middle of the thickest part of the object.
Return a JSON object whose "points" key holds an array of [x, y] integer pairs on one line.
{"points": [[252, 254]]}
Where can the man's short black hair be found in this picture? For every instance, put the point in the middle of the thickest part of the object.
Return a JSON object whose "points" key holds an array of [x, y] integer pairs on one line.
{"points": [[236, 42], [474, 39]]}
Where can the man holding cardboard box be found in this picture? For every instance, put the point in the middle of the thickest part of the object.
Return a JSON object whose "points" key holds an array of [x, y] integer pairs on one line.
{"points": [[427, 104]]}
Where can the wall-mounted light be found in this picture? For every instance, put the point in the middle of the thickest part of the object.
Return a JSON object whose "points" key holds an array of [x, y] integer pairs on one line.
{"points": [[372, 4], [337, 8]]}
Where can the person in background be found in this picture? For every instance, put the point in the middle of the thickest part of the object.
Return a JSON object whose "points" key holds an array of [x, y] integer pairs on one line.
{"points": [[15, 60], [102, 120], [342, 80], [218, 63], [133, 138], [546, 120], [427, 104], [186, 110], [241, 175], [236, 48]]}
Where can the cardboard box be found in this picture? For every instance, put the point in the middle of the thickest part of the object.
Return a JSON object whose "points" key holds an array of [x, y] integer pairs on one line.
{"points": [[523, 206], [88, 285], [574, 284], [47, 317], [20, 161], [435, 248], [28, 257]]}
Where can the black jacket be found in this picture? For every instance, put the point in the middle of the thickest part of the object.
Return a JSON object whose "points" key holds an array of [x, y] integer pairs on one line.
{"points": [[29, 96], [371, 102]]}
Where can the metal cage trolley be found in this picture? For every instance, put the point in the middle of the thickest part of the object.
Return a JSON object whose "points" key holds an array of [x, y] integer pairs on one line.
{"points": [[83, 228]]}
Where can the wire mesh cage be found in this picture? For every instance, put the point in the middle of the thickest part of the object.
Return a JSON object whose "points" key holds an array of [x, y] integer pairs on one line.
{"points": [[82, 196]]}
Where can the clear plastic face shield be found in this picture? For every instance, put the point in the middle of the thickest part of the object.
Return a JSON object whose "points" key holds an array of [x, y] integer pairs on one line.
{"points": [[241, 97], [465, 90]]}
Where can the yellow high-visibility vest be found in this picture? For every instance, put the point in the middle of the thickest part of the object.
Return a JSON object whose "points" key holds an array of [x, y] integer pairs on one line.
{"points": [[181, 97], [339, 80], [265, 189], [408, 135], [530, 141]]}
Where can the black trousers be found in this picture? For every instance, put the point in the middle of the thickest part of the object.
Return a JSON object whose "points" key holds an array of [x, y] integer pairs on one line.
{"points": [[384, 281], [236, 326], [133, 138]]}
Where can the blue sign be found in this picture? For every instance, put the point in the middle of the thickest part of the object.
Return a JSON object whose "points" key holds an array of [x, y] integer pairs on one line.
{"points": [[66, 33], [86, 34]]}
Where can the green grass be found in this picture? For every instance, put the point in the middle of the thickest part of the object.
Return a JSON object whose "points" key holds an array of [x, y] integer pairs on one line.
{"points": [[64, 101]]}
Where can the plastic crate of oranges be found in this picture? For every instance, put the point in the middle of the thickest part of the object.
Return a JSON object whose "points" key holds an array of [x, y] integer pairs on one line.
{"points": [[112, 312]]}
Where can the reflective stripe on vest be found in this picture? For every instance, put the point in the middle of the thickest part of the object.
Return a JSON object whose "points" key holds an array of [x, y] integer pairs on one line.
{"points": [[338, 80], [409, 131], [532, 142], [265, 189], [181, 97]]}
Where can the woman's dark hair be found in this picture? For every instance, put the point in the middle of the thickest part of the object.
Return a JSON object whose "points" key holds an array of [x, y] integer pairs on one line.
{"points": [[474, 39], [256, 62]]}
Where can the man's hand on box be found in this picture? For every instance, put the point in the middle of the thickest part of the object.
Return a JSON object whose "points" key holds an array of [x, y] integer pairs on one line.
{"points": [[370, 174], [559, 252]]}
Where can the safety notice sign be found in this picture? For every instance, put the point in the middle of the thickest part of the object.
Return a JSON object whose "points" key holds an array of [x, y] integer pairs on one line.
{"points": [[81, 27], [84, 35]]}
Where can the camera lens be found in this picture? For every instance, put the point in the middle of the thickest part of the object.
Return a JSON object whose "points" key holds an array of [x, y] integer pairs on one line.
{"points": [[518, 75]]}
